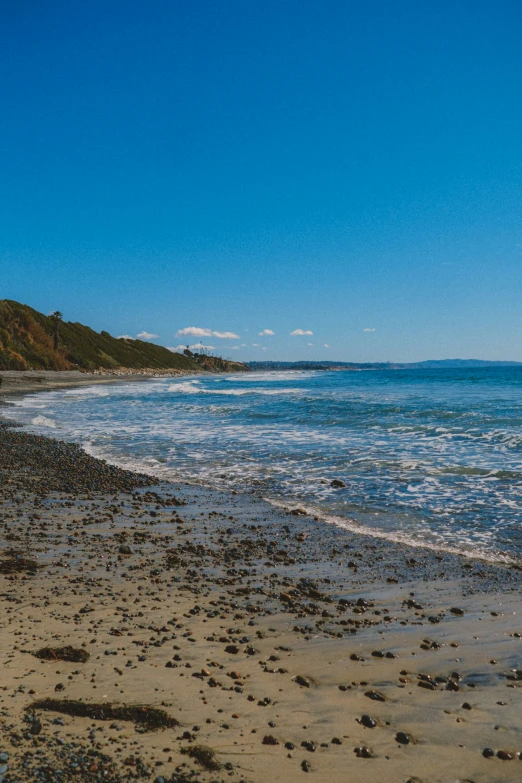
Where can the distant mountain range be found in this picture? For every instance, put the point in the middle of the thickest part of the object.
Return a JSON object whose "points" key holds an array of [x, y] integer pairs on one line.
{"points": [[30, 340], [430, 364]]}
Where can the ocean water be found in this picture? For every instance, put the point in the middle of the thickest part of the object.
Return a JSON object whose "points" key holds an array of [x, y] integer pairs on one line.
{"points": [[429, 457]]}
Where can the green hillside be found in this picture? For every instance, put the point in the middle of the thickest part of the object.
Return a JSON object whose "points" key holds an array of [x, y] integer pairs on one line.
{"points": [[30, 340]]}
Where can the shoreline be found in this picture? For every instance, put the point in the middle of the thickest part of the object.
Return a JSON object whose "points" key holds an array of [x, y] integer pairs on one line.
{"points": [[346, 523], [269, 629], [16, 382]]}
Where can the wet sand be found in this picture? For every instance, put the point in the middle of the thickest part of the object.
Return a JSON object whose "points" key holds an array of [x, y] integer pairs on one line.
{"points": [[281, 646], [27, 381]]}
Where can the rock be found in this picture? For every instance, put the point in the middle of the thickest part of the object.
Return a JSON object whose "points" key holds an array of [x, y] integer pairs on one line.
{"points": [[402, 738], [268, 739], [310, 746], [368, 721], [504, 755], [488, 753], [456, 610], [363, 752], [125, 550], [375, 695], [305, 765], [338, 484], [232, 649], [430, 686], [298, 512], [303, 681]]}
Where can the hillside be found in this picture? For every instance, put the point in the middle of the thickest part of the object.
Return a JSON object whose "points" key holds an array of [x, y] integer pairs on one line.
{"points": [[28, 342]]}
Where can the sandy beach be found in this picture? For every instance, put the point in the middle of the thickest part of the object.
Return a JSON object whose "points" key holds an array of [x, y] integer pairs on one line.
{"points": [[176, 633]]}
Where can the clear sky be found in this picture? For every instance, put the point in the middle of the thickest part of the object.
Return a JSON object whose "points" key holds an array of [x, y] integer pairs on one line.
{"points": [[349, 169]]}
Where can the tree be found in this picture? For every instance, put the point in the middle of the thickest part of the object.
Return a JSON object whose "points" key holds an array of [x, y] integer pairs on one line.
{"points": [[57, 317]]}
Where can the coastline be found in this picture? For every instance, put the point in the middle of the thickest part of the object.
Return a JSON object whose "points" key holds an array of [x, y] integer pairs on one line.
{"points": [[260, 626], [15, 382]]}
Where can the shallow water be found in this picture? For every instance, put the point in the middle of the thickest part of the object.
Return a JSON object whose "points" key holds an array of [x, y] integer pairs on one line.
{"points": [[432, 457]]}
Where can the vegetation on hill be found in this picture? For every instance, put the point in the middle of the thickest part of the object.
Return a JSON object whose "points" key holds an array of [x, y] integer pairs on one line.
{"points": [[30, 340]]}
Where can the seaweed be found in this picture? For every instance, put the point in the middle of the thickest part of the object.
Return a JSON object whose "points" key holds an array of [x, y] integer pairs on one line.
{"points": [[15, 565], [203, 755], [69, 653], [141, 714]]}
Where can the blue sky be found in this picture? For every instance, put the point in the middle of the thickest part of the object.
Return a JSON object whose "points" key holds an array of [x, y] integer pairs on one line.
{"points": [[347, 169]]}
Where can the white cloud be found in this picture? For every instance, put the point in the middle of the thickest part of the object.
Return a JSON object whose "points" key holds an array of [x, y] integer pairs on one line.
{"points": [[266, 331], [146, 336], [243, 345], [234, 347], [197, 331], [125, 337], [326, 345], [298, 332], [226, 335], [368, 330], [309, 343]]}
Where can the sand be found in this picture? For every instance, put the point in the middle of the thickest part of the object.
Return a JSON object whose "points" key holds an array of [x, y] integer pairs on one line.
{"points": [[286, 646], [26, 381]]}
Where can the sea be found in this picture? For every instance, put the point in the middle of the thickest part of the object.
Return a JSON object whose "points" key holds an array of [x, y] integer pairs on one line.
{"points": [[431, 458]]}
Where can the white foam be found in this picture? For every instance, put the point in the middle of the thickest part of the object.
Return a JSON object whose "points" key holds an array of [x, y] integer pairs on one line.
{"points": [[468, 548], [43, 421], [190, 387]]}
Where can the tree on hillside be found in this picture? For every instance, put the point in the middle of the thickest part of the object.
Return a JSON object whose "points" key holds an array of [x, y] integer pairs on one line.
{"points": [[57, 317]]}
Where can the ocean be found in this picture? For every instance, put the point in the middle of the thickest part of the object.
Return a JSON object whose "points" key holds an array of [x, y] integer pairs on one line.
{"points": [[429, 457]]}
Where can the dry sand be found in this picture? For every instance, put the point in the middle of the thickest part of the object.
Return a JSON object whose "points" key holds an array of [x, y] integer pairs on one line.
{"points": [[286, 646]]}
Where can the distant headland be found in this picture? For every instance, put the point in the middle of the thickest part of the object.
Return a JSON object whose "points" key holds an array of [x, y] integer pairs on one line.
{"points": [[430, 364]]}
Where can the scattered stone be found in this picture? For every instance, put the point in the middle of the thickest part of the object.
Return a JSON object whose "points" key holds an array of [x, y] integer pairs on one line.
{"points": [[303, 681], [375, 695]]}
